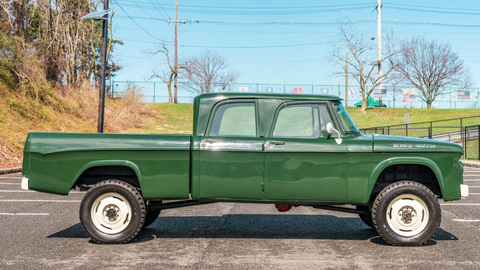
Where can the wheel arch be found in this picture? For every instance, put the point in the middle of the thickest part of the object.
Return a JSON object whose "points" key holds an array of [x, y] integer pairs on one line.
{"points": [[382, 166], [110, 166]]}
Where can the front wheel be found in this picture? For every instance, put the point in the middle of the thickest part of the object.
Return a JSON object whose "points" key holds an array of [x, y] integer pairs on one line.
{"points": [[112, 212], [366, 218], [406, 213]]}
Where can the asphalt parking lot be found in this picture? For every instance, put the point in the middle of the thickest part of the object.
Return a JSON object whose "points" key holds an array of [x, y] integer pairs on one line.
{"points": [[42, 231]]}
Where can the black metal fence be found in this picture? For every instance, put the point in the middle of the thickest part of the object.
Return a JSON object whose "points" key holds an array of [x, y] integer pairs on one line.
{"points": [[464, 131]]}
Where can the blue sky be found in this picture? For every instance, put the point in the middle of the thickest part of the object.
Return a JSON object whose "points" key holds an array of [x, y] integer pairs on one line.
{"points": [[296, 48]]}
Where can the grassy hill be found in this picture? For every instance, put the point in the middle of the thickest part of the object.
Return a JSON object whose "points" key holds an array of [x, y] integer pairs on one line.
{"points": [[21, 113], [177, 118], [78, 113]]}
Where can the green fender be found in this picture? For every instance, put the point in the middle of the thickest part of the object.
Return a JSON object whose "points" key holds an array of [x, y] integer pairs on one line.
{"points": [[404, 161], [100, 163]]}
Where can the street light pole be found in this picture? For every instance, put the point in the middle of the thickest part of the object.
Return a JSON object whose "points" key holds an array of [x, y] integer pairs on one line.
{"points": [[101, 15], [101, 105]]}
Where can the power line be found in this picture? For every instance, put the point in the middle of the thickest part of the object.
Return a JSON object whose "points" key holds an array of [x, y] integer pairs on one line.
{"points": [[432, 11], [137, 23], [298, 23], [155, 6], [256, 47], [140, 8]]}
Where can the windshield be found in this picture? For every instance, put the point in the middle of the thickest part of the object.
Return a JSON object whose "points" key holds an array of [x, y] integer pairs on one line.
{"points": [[347, 123]]}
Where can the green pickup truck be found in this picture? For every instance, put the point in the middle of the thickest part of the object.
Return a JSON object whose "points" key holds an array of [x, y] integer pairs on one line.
{"points": [[286, 150]]}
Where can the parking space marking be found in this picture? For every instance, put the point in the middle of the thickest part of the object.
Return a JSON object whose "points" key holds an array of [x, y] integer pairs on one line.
{"points": [[32, 191], [68, 201], [24, 214], [467, 220], [461, 204]]}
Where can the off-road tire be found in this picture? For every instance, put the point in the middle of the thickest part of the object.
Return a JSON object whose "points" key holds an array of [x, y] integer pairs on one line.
{"points": [[366, 218], [151, 217], [112, 212], [406, 213]]}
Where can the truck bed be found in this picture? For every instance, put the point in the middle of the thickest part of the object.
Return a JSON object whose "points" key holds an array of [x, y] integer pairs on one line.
{"points": [[159, 162]]}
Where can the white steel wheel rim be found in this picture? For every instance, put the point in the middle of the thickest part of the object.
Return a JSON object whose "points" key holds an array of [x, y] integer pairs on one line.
{"points": [[111, 213], [407, 215]]}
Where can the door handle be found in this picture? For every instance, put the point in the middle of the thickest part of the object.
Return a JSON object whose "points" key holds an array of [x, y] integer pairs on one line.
{"points": [[270, 144], [209, 141]]}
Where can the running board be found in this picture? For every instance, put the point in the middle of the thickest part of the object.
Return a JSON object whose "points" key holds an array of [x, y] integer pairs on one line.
{"points": [[341, 209], [171, 205]]}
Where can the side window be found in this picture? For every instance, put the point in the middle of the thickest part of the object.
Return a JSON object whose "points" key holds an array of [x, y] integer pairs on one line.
{"points": [[297, 121], [234, 119], [324, 118]]}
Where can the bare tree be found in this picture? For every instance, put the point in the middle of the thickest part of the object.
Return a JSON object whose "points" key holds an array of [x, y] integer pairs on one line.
{"points": [[167, 76], [429, 66], [363, 60], [206, 71]]}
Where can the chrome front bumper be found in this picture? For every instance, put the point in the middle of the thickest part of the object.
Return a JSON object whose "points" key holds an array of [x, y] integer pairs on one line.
{"points": [[463, 191]]}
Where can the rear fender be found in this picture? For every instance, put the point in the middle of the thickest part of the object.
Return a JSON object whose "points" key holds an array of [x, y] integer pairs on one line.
{"points": [[100, 163]]}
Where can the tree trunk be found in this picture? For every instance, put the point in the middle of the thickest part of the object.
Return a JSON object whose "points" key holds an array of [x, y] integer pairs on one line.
{"points": [[169, 87], [363, 108]]}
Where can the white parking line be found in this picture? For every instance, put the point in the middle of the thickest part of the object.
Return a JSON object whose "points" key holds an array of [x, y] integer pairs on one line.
{"points": [[68, 201], [461, 204], [467, 220], [32, 191], [24, 214]]}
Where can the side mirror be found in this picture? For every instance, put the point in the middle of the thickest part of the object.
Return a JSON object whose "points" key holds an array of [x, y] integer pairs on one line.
{"points": [[330, 129]]}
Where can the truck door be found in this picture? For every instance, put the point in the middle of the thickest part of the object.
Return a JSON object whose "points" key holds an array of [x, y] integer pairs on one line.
{"points": [[302, 161], [231, 158]]}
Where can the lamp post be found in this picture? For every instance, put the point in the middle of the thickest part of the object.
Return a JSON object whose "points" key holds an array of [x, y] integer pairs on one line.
{"points": [[101, 15]]}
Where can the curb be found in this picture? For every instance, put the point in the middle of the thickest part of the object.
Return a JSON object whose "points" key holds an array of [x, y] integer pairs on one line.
{"points": [[471, 164], [11, 170]]}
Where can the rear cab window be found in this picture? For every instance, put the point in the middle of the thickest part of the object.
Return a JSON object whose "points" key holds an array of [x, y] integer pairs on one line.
{"points": [[234, 119]]}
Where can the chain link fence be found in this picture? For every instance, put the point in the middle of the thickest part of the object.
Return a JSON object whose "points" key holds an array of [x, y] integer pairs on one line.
{"points": [[392, 96]]}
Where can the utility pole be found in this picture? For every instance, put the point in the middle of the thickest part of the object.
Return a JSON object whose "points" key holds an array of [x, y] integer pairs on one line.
{"points": [[346, 79], [176, 45], [379, 49]]}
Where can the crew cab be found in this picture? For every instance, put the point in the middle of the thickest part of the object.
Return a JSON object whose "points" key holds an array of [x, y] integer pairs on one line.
{"points": [[287, 150]]}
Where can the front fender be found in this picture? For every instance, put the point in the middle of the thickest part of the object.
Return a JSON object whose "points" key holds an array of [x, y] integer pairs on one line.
{"points": [[404, 161], [100, 163]]}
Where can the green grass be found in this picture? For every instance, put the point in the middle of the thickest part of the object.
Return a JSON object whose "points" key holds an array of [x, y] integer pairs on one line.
{"points": [[472, 150], [393, 116], [177, 118], [171, 119]]}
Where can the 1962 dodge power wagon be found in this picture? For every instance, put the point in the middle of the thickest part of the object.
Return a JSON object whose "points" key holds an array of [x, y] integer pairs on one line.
{"points": [[287, 150]]}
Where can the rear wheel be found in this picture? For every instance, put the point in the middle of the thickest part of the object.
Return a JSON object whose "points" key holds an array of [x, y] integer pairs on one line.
{"points": [[406, 213], [112, 212]]}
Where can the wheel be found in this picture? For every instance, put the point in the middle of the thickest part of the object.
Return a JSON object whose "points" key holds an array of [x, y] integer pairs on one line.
{"points": [[151, 217], [367, 219], [406, 213], [112, 212]]}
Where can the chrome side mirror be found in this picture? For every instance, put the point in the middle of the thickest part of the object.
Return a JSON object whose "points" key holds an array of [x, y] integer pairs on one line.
{"points": [[330, 129]]}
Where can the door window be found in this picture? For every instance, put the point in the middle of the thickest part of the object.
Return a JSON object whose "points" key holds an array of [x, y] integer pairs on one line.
{"points": [[234, 119], [297, 121]]}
